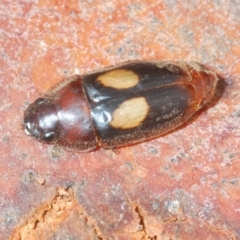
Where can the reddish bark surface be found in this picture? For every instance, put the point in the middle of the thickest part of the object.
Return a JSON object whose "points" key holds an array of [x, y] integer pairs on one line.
{"points": [[184, 185]]}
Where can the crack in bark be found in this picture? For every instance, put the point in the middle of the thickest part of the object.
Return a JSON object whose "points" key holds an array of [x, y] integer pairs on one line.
{"points": [[52, 214], [49, 216], [136, 209]]}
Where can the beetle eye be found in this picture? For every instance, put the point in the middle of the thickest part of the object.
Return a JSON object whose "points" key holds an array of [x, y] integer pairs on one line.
{"points": [[40, 101], [48, 136]]}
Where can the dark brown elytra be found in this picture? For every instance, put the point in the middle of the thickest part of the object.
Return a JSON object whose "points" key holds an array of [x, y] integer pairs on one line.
{"points": [[121, 105]]}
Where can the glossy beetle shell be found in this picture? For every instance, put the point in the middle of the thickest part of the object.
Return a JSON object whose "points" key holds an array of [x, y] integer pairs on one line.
{"points": [[121, 105]]}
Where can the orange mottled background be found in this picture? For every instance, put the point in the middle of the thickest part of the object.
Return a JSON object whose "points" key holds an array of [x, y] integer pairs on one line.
{"points": [[184, 185]]}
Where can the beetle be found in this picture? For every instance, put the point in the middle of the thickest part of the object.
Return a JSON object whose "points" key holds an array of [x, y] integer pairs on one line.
{"points": [[120, 105]]}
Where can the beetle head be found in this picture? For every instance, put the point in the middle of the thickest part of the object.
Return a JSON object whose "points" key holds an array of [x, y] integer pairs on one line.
{"points": [[41, 120]]}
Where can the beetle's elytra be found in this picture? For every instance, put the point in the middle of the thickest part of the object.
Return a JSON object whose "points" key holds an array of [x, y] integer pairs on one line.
{"points": [[121, 105]]}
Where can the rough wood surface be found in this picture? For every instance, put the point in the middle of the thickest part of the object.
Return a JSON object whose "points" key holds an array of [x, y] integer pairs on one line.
{"points": [[184, 185]]}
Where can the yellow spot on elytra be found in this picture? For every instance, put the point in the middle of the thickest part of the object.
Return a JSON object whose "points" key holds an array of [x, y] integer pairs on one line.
{"points": [[130, 113], [119, 79]]}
